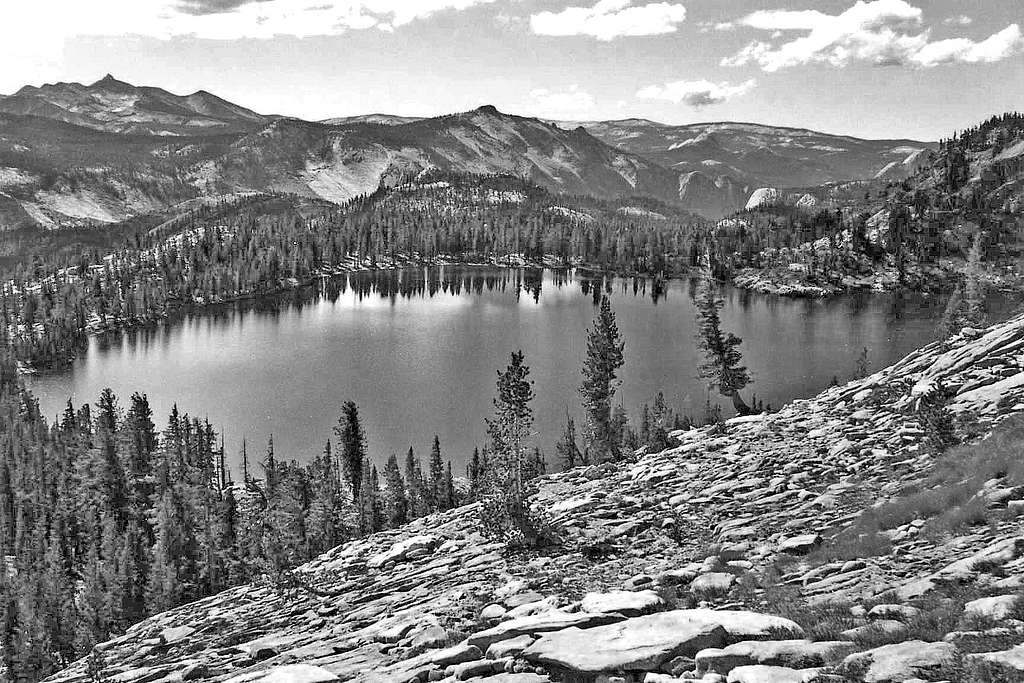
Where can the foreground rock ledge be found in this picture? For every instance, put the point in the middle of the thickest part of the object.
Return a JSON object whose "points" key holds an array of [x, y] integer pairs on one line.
{"points": [[645, 643]]}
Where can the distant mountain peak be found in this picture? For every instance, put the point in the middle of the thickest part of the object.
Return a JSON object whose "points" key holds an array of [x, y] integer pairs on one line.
{"points": [[108, 82], [488, 109]]}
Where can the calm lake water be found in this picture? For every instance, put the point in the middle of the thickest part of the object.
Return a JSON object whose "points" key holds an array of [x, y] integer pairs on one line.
{"points": [[418, 352]]}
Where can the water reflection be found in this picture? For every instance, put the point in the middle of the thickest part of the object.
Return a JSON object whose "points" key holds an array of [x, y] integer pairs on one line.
{"points": [[418, 350]]}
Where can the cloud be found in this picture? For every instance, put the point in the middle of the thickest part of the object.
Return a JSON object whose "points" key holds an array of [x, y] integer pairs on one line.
{"points": [[882, 32], [959, 20], [709, 26], [57, 20], [33, 34], [995, 48], [200, 7], [696, 94], [571, 103], [610, 19]]}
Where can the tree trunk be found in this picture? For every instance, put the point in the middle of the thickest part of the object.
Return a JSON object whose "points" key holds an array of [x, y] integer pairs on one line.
{"points": [[739, 404]]}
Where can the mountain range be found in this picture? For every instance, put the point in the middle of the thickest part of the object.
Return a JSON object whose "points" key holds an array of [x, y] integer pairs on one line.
{"points": [[117, 107], [73, 154]]}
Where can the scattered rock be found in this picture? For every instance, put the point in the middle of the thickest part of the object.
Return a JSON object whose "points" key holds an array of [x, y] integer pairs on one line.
{"points": [[402, 550], [759, 673], [712, 583], [627, 603], [902, 661], [176, 633], [492, 612], [537, 624], [645, 643], [509, 648], [996, 608], [456, 654], [291, 673], [800, 545], [798, 654]]}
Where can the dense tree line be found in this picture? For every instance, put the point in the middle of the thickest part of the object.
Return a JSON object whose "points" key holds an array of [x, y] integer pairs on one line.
{"points": [[104, 520]]}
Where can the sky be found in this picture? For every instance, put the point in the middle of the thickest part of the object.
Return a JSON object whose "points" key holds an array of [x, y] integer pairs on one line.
{"points": [[872, 68]]}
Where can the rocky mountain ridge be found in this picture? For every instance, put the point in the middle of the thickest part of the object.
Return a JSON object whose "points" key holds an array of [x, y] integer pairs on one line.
{"points": [[55, 174], [55, 171], [338, 162], [670, 563], [115, 106], [748, 155]]}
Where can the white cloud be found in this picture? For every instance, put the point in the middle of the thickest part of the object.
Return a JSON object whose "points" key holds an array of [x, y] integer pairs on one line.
{"points": [[995, 48], [568, 104], [709, 26], [959, 20], [610, 19], [696, 93], [33, 34], [883, 32]]}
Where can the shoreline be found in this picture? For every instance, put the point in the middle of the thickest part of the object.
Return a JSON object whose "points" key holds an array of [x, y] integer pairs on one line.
{"points": [[763, 281]]}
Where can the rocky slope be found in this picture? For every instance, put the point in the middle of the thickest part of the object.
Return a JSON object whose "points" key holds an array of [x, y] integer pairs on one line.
{"points": [[337, 162], [114, 106], [672, 564], [203, 144], [59, 169]]}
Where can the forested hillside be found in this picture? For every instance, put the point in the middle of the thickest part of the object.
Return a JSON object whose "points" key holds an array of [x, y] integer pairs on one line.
{"points": [[105, 518], [914, 232]]}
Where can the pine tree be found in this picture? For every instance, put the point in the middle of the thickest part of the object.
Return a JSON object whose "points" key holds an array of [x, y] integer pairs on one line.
{"points": [[722, 357], [105, 475], [164, 589], [396, 502], [505, 512], [414, 492], [660, 422], [329, 507], [436, 481], [474, 472], [863, 366], [567, 449], [245, 464], [351, 446], [604, 358], [369, 500], [450, 499]]}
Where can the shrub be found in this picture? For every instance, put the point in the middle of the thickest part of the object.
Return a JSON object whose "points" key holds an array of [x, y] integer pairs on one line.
{"points": [[511, 520]]}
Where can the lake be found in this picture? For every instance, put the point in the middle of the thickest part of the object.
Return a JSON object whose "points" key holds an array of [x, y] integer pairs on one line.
{"points": [[418, 351]]}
